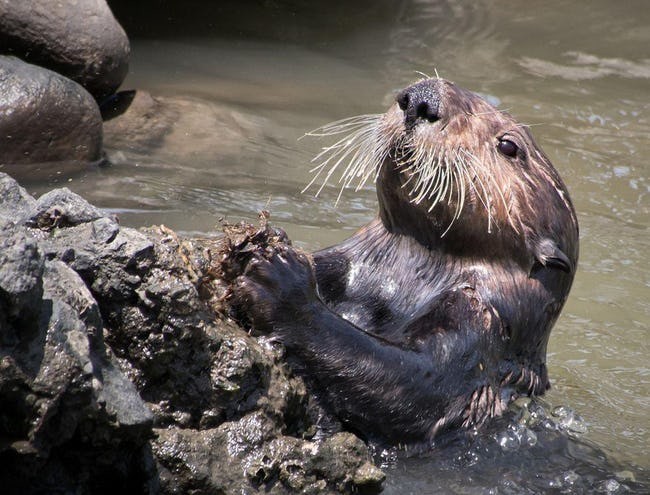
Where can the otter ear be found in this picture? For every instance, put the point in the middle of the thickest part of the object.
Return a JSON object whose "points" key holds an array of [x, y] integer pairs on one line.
{"points": [[549, 255]]}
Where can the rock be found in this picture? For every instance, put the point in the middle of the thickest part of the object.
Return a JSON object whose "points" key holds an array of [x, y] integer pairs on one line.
{"points": [[21, 278], [15, 202], [314, 467], [175, 127], [74, 417], [137, 121], [61, 208], [116, 373], [45, 117], [202, 460], [77, 38]]}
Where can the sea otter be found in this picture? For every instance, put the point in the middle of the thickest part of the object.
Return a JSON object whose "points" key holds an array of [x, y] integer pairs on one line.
{"points": [[437, 313]]}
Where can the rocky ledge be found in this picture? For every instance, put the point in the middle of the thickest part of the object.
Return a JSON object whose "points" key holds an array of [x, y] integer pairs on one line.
{"points": [[119, 373]]}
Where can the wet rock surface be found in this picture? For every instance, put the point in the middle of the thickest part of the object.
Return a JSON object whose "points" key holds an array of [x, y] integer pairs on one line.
{"points": [[117, 372], [79, 39], [45, 117]]}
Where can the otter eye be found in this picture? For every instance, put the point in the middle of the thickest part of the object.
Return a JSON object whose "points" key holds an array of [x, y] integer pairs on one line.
{"points": [[507, 147]]}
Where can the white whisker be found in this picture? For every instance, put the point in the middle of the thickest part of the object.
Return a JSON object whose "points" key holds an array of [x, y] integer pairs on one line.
{"points": [[482, 192], [360, 152], [433, 170]]}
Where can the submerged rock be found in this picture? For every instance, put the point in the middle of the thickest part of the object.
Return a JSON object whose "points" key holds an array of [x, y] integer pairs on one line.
{"points": [[45, 117], [175, 127], [117, 373], [79, 39]]}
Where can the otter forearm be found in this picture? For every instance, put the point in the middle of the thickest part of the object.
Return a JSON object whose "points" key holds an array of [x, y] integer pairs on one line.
{"points": [[366, 379]]}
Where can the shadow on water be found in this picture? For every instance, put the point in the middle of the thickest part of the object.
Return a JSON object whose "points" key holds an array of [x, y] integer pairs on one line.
{"points": [[247, 79]]}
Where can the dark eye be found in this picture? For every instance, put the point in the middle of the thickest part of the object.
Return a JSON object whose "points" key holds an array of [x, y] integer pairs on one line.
{"points": [[507, 147]]}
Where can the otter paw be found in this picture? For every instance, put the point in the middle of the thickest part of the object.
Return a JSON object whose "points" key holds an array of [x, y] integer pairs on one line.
{"points": [[272, 292]]}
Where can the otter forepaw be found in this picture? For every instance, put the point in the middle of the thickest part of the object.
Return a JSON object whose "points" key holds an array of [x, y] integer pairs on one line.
{"points": [[253, 302], [272, 293]]}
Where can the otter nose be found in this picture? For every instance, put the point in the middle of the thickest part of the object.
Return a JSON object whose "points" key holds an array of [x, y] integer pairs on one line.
{"points": [[420, 102]]}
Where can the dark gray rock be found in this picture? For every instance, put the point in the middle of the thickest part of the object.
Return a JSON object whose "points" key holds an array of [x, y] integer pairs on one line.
{"points": [[77, 38], [45, 117], [73, 417], [69, 413], [61, 208], [21, 278], [109, 259], [15, 202], [117, 374]]}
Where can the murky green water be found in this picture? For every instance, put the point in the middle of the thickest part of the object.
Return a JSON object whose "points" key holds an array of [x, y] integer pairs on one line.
{"points": [[578, 72]]}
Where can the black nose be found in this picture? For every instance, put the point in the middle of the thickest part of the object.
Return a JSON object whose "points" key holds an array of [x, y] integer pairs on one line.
{"points": [[420, 102]]}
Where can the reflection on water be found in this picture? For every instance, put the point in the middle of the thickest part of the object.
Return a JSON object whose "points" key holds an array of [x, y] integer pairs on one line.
{"points": [[578, 74]]}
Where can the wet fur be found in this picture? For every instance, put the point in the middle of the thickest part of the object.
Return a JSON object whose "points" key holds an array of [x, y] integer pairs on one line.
{"points": [[436, 314]]}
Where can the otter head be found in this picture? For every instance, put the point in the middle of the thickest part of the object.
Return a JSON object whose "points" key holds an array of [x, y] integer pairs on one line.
{"points": [[472, 179]]}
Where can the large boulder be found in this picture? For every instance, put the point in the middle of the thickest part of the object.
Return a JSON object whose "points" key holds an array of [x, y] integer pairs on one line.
{"points": [[119, 374], [45, 117], [77, 38]]}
